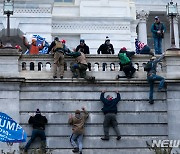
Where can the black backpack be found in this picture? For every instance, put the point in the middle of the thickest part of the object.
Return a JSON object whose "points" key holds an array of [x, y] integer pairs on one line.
{"points": [[148, 66]]}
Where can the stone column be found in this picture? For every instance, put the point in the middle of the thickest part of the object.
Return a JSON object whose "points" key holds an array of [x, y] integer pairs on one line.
{"points": [[176, 32], [142, 28]]}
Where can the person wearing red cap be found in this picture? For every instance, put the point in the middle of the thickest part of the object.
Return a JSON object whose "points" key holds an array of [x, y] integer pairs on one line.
{"points": [[19, 48], [78, 122], [125, 62], [38, 122]]}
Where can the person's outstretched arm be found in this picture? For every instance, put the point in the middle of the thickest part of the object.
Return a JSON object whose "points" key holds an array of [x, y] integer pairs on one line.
{"points": [[102, 96], [86, 114], [118, 98]]}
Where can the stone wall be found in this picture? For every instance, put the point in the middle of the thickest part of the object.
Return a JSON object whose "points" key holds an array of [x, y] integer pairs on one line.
{"points": [[25, 91]]}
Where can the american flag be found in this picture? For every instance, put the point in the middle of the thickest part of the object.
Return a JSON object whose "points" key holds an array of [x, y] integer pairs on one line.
{"points": [[139, 46]]}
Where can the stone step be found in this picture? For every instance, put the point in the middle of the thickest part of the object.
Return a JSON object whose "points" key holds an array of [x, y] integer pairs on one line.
{"points": [[97, 118], [133, 130], [97, 143], [64, 95], [57, 106]]}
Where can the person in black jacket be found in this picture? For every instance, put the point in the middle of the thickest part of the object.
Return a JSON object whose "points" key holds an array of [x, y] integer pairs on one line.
{"points": [[110, 110], [38, 122], [83, 47], [106, 48]]}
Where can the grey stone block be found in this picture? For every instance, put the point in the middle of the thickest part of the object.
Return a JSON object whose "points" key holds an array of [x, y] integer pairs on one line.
{"points": [[97, 130]]}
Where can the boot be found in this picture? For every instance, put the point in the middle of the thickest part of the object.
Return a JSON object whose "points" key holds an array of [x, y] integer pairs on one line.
{"points": [[105, 138]]}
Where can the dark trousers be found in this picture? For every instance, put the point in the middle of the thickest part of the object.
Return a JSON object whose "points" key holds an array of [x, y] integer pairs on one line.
{"points": [[37, 133], [129, 70], [79, 67], [145, 50], [110, 120]]}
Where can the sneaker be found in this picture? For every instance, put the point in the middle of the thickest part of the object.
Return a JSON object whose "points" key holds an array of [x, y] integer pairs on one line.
{"points": [[118, 138], [61, 76], [75, 150], [105, 138], [54, 77], [151, 102]]}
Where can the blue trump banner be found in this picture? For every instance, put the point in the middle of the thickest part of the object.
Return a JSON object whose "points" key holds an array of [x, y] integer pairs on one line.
{"points": [[39, 42], [10, 131]]}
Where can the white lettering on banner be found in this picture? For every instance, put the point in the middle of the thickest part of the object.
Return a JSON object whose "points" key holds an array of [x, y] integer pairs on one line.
{"points": [[9, 125], [165, 143], [4, 132], [2, 122]]}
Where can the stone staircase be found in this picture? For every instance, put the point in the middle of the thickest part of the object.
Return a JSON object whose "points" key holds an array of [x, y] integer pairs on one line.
{"points": [[138, 120]]}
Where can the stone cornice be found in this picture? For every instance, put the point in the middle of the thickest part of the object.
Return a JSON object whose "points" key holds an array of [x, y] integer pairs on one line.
{"points": [[89, 26]]}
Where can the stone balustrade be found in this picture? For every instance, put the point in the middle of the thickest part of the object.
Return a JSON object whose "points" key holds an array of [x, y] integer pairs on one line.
{"points": [[100, 66]]}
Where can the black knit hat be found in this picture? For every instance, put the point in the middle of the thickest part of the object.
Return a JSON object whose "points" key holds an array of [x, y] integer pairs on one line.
{"points": [[56, 39], [38, 111], [82, 41]]}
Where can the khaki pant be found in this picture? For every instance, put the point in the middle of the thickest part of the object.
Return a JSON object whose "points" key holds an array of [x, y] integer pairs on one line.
{"points": [[58, 63]]}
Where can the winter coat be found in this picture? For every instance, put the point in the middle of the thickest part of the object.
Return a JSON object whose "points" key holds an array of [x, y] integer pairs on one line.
{"points": [[84, 48], [110, 106], [78, 123], [106, 49], [38, 121]]}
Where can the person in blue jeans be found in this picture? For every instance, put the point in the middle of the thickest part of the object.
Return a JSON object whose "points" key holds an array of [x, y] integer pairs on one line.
{"points": [[78, 121], [158, 30], [38, 121], [151, 77]]}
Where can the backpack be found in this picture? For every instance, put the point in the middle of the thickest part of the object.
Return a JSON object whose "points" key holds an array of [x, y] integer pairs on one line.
{"points": [[148, 66], [58, 44], [124, 58]]}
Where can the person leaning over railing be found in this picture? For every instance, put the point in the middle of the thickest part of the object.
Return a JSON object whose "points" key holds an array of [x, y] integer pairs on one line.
{"points": [[58, 48], [80, 65]]}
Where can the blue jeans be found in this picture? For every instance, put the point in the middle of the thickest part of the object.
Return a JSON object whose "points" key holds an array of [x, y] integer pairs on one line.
{"points": [[158, 45], [151, 80], [36, 133], [78, 138]]}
